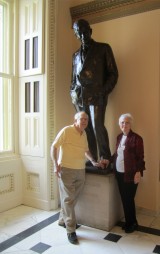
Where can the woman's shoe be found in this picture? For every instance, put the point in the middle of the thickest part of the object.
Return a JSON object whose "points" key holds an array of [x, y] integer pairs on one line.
{"points": [[124, 227], [136, 226], [129, 229], [132, 228]]}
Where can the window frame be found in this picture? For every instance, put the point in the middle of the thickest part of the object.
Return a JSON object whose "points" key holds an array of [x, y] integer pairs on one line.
{"points": [[9, 73]]}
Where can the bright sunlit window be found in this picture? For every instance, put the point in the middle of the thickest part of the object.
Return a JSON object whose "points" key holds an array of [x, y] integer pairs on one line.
{"points": [[6, 75]]}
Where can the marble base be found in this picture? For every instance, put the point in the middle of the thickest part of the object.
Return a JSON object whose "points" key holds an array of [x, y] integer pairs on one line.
{"points": [[99, 206]]}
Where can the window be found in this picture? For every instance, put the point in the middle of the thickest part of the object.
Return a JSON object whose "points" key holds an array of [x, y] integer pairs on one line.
{"points": [[28, 92], [27, 55], [31, 80], [31, 31], [6, 75]]}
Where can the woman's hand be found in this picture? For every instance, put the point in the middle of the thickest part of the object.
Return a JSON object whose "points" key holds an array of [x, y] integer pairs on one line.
{"points": [[104, 163], [137, 177]]}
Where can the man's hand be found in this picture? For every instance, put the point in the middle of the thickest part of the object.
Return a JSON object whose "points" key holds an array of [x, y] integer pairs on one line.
{"points": [[57, 170], [96, 164]]}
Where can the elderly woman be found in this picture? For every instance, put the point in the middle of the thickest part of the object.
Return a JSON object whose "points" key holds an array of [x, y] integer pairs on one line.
{"points": [[129, 165]]}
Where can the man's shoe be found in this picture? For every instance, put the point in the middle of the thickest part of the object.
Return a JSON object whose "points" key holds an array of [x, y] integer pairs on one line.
{"points": [[72, 237], [62, 224]]}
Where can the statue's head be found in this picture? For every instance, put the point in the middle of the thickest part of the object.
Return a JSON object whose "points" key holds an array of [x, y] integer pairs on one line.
{"points": [[82, 30]]}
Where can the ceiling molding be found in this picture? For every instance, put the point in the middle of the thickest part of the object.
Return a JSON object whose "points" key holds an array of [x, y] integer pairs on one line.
{"points": [[103, 10]]}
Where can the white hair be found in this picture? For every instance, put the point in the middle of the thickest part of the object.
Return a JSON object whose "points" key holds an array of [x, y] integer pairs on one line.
{"points": [[123, 116], [78, 115]]}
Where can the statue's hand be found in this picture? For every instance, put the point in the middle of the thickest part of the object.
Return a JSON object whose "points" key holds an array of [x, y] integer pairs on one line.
{"points": [[73, 96]]}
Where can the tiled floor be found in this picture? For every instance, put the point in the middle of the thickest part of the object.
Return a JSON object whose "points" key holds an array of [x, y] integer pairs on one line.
{"points": [[26, 230]]}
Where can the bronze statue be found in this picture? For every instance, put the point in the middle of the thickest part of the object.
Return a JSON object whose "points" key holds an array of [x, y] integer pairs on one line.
{"points": [[94, 75]]}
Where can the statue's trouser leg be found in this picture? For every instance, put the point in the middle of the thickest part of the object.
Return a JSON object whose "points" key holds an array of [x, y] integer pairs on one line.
{"points": [[101, 132], [92, 142]]}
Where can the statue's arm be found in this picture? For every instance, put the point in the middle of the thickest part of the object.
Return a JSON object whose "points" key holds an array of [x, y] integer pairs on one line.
{"points": [[73, 77], [75, 90], [111, 69]]}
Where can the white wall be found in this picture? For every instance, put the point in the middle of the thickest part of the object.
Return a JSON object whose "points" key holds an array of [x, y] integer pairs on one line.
{"points": [[11, 183], [63, 106], [66, 45], [135, 42]]}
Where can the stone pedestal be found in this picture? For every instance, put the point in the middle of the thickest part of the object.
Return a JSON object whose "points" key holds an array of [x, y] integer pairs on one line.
{"points": [[99, 205]]}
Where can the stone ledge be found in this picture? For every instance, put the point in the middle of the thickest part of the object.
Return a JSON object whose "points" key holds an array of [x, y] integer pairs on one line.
{"points": [[99, 206], [99, 171]]}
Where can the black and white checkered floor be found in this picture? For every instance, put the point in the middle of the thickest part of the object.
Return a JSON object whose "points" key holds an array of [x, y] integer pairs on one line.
{"points": [[28, 230]]}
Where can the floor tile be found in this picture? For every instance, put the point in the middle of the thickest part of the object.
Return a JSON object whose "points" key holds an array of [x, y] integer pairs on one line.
{"points": [[136, 243], [113, 237], [40, 247], [157, 249]]}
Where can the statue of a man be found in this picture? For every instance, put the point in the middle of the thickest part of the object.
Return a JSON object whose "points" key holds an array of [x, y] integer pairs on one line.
{"points": [[94, 75]]}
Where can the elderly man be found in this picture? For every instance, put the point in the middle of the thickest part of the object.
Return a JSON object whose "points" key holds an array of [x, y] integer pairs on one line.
{"points": [[94, 75], [71, 143]]}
